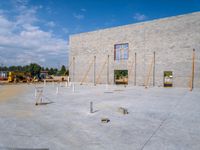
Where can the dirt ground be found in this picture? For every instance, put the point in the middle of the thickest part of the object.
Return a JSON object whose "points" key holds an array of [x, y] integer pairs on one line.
{"points": [[7, 92]]}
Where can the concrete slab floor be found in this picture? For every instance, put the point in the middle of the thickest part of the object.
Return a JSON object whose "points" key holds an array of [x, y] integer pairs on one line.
{"points": [[158, 119]]}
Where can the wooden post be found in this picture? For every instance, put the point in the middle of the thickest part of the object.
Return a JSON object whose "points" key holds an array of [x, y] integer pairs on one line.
{"points": [[154, 60], [130, 70], [193, 65], [135, 69], [108, 70], [94, 70]]}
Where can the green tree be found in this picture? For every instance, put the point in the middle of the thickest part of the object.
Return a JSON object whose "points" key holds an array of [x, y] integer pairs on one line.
{"points": [[62, 70], [67, 72], [47, 69], [34, 69], [51, 71]]}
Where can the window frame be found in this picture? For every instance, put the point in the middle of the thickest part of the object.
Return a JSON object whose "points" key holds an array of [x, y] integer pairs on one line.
{"points": [[121, 56]]}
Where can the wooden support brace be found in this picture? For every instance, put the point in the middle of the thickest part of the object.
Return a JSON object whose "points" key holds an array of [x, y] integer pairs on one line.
{"points": [[149, 73], [99, 75], [86, 74]]}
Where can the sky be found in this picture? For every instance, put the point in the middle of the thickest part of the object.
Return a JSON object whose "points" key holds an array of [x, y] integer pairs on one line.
{"points": [[37, 31]]}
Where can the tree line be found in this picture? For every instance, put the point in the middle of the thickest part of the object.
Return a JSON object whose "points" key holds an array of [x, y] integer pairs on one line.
{"points": [[35, 69]]}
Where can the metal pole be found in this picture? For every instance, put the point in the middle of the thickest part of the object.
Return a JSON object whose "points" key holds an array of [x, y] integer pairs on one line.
{"points": [[91, 107], [135, 69], [154, 60], [44, 82], [57, 89], [94, 70], [108, 70]]}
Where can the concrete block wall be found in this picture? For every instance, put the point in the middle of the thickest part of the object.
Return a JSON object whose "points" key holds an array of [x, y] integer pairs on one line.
{"points": [[172, 39]]}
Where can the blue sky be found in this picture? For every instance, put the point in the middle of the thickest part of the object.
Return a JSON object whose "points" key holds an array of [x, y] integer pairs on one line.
{"points": [[38, 30]]}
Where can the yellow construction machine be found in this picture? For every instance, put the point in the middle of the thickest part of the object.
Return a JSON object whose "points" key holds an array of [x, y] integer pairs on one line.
{"points": [[15, 76]]}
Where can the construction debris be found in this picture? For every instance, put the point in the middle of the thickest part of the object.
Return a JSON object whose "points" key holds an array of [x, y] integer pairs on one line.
{"points": [[40, 97], [122, 110], [105, 120]]}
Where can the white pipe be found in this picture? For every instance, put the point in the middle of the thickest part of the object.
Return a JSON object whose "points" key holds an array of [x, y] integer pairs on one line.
{"points": [[35, 92], [73, 87], [106, 86], [44, 82], [68, 84], [57, 89]]}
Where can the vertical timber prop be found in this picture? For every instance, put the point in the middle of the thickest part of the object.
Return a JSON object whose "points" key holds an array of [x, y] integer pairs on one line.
{"points": [[154, 67], [73, 75], [68, 78], [94, 70], [135, 69], [108, 70], [131, 69], [149, 73], [193, 67]]}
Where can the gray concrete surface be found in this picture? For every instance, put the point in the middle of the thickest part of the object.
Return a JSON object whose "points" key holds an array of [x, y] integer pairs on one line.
{"points": [[158, 119]]}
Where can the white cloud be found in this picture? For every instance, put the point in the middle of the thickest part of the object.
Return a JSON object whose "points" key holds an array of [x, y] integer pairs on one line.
{"points": [[83, 10], [51, 24], [30, 43], [65, 30], [78, 16], [139, 16], [5, 26]]}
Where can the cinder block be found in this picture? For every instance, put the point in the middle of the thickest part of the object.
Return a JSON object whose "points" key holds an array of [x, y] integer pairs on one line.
{"points": [[172, 39]]}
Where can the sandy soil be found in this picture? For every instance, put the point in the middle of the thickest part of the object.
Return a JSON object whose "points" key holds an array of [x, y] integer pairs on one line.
{"points": [[9, 91]]}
